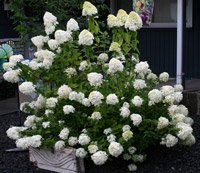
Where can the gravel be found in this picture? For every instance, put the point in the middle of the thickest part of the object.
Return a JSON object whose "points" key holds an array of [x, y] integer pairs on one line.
{"points": [[179, 159]]}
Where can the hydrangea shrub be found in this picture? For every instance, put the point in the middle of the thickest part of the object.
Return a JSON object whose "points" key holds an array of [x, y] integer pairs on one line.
{"points": [[94, 94]]}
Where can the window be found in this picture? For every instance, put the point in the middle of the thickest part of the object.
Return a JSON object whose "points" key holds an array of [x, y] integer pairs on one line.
{"points": [[165, 14]]}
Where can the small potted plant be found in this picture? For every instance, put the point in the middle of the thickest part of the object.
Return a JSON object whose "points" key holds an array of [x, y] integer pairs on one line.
{"points": [[5, 52]]}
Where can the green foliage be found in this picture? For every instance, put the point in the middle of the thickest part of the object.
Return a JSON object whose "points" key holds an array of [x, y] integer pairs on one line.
{"points": [[71, 56], [27, 14], [120, 72]]}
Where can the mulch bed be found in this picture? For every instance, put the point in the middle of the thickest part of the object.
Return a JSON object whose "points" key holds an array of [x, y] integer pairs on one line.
{"points": [[179, 159]]}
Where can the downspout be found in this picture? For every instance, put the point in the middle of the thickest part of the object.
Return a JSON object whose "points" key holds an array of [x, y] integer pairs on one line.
{"points": [[180, 28]]}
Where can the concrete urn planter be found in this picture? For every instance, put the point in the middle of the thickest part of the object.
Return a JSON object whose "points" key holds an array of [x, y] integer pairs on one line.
{"points": [[64, 161]]}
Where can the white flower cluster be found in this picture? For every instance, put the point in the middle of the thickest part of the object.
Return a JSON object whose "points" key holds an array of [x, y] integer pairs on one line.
{"points": [[46, 124], [115, 47], [14, 59], [24, 107], [30, 121], [53, 44], [136, 118], [27, 88], [127, 134], [190, 140], [83, 139], [122, 16], [137, 101], [185, 130], [113, 21], [167, 90], [107, 131], [92, 148], [126, 156], [142, 67], [40, 102], [164, 77], [124, 110], [112, 99], [169, 140], [32, 105], [178, 116], [83, 65], [96, 116], [59, 145], [132, 150], [50, 22], [174, 109], [132, 21], [80, 152], [125, 128], [152, 76], [162, 122], [155, 96], [100, 157], [14, 132], [64, 91], [71, 72], [95, 79], [64, 134], [111, 138], [115, 65], [115, 149], [170, 95], [178, 88], [74, 96], [67, 109], [89, 9], [34, 65], [132, 167], [139, 84], [85, 38], [39, 41], [102, 58], [12, 76], [26, 142], [95, 97], [48, 112], [72, 141], [72, 25], [138, 158], [63, 36], [7, 66], [44, 59], [166, 94], [51, 102], [86, 102]]}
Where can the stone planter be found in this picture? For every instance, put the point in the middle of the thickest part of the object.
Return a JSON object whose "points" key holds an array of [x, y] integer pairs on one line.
{"points": [[60, 161]]}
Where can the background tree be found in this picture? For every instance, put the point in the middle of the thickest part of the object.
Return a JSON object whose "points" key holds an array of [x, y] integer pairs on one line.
{"points": [[27, 14]]}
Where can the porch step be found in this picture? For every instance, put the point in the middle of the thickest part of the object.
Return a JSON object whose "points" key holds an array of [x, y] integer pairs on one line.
{"points": [[191, 99]]}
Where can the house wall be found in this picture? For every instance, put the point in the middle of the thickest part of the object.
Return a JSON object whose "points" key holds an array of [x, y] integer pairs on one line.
{"points": [[158, 46], [6, 26]]}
